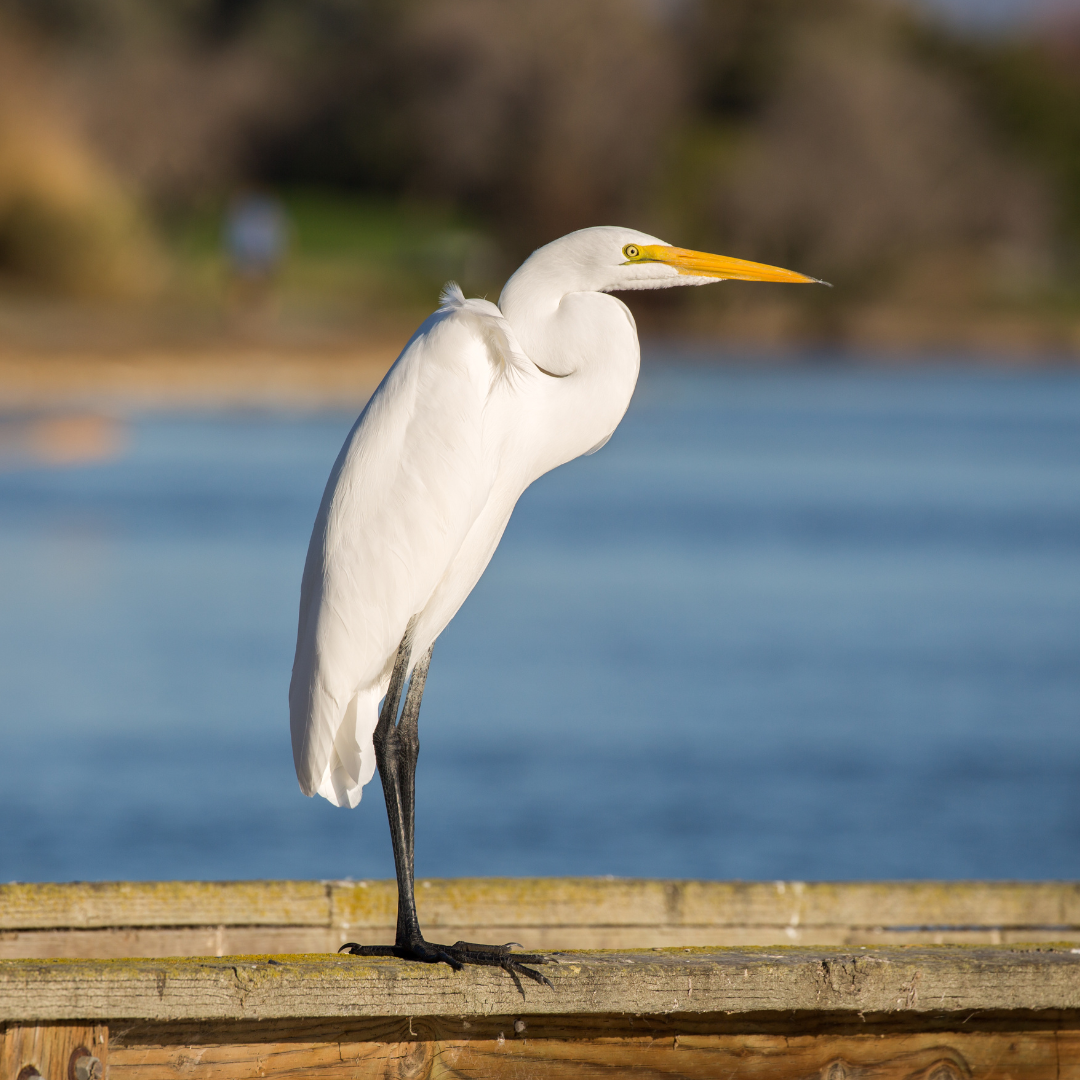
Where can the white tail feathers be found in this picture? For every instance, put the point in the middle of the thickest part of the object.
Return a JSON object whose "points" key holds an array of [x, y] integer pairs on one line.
{"points": [[352, 755]]}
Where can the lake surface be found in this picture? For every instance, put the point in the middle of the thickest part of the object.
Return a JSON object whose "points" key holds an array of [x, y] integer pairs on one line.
{"points": [[789, 623]]}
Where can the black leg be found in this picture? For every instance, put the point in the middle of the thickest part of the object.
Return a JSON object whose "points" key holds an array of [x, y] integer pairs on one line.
{"points": [[408, 735], [397, 747], [388, 757]]}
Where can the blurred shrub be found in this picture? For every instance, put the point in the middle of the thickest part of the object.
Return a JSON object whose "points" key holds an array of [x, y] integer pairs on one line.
{"points": [[177, 122], [538, 117], [65, 223], [849, 138], [851, 154], [548, 116], [1029, 89]]}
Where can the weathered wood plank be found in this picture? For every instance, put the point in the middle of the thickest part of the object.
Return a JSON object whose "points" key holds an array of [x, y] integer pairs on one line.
{"points": [[164, 903], [794, 909], [578, 902], [109, 943], [912, 980], [49, 1049], [154, 942], [951, 1056]]}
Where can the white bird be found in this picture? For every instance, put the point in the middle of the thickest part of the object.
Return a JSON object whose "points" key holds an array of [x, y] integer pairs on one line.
{"points": [[482, 401]]}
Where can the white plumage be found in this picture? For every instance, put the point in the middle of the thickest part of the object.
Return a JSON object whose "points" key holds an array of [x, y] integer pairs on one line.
{"points": [[482, 401]]}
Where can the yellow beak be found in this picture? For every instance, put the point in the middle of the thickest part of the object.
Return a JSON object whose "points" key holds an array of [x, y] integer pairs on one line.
{"points": [[702, 264]]}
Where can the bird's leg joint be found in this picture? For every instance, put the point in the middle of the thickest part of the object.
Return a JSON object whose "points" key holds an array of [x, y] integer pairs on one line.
{"points": [[386, 740], [408, 744]]}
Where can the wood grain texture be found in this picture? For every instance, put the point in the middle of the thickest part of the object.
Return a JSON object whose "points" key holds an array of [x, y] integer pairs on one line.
{"points": [[164, 903], [912, 980], [49, 1048], [952, 1056], [793, 909], [110, 944], [113, 943]]}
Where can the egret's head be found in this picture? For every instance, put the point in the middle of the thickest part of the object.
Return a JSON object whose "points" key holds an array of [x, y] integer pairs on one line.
{"points": [[607, 258]]}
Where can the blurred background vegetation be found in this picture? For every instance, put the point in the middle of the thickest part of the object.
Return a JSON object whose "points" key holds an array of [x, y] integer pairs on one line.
{"points": [[931, 173]]}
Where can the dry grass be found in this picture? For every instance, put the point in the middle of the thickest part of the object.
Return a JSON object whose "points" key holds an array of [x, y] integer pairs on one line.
{"points": [[208, 378]]}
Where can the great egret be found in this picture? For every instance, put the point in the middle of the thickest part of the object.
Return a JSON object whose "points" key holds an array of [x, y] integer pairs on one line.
{"points": [[482, 401]]}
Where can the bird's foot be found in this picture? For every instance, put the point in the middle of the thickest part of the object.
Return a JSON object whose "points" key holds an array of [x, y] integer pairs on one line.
{"points": [[458, 955]]}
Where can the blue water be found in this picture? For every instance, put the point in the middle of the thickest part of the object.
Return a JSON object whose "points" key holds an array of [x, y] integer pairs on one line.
{"points": [[791, 623]]}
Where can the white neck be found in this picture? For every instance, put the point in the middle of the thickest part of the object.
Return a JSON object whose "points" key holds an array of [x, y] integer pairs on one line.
{"points": [[586, 343]]}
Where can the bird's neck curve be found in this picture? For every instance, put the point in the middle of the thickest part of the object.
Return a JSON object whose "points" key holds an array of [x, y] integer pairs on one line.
{"points": [[530, 301], [588, 341], [561, 321]]}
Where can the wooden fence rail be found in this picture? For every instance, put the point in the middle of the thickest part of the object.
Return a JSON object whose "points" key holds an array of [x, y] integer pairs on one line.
{"points": [[681, 995], [218, 918]]}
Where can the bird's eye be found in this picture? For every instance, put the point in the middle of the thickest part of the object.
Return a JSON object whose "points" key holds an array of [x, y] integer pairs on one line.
{"points": [[631, 251]]}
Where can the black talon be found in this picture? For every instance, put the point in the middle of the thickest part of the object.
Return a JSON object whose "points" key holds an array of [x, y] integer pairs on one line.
{"points": [[355, 949], [536, 976], [517, 982]]}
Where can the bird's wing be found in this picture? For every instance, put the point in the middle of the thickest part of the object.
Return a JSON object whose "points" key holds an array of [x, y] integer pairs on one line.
{"points": [[412, 477]]}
